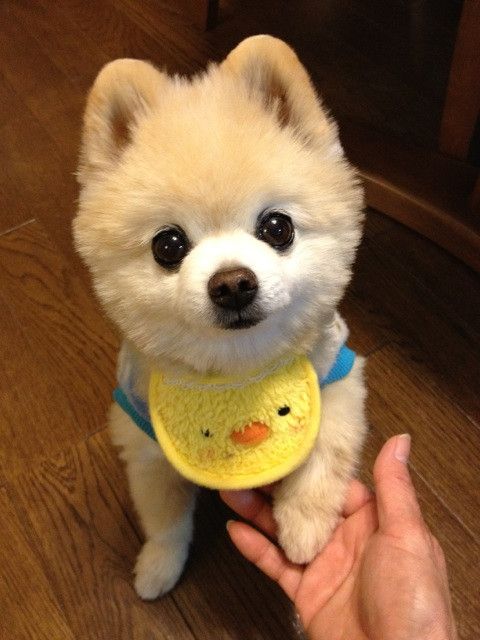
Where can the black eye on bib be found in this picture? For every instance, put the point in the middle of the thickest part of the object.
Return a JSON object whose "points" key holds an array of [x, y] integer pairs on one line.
{"points": [[170, 246], [283, 411], [276, 229], [207, 433]]}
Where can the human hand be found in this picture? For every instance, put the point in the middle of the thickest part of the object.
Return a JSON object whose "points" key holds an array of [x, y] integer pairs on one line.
{"points": [[382, 576]]}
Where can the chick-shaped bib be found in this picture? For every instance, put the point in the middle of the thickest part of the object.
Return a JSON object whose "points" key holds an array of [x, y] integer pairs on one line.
{"points": [[237, 433]]}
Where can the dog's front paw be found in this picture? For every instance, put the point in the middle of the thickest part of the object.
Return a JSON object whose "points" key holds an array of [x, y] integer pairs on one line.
{"points": [[303, 530], [158, 568]]}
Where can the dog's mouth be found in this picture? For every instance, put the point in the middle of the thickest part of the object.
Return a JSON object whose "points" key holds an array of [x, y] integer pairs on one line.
{"points": [[242, 323], [243, 319]]}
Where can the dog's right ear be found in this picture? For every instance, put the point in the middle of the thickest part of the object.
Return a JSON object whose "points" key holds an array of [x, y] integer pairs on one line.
{"points": [[276, 77], [124, 91]]}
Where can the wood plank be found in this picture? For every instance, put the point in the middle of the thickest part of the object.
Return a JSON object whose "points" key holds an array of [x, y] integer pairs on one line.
{"points": [[28, 607], [454, 286], [404, 397], [165, 22], [56, 349], [72, 509], [59, 42], [55, 100], [28, 184], [114, 33], [410, 314], [39, 136], [458, 545]]}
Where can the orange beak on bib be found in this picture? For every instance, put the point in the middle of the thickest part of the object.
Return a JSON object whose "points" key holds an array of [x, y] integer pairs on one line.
{"points": [[253, 433]]}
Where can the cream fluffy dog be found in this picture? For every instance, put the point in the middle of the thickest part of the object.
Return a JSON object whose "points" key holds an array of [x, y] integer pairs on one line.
{"points": [[237, 171]]}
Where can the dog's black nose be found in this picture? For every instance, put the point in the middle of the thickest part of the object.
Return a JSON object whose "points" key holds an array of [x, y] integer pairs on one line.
{"points": [[233, 289]]}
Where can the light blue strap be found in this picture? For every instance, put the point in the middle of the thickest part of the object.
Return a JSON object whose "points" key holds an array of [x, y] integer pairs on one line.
{"points": [[144, 424], [341, 367]]}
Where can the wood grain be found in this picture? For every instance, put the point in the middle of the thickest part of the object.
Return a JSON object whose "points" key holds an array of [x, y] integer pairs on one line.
{"points": [[58, 39], [52, 98], [54, 345], [415, 404], [454, 286], [28, 607], [39, 141], [72, 509], [166, 24], [413, 315], [28, 185]]}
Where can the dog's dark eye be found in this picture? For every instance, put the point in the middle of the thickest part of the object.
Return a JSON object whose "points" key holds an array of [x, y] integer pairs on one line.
{"points": [[276, 229], [170, 246]]}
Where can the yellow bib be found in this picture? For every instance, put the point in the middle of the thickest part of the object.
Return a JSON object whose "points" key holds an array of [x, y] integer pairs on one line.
{"points": [[236, 433]]}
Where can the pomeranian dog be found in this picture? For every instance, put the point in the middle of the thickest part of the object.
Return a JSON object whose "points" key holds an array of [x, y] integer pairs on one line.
{"points": [[219, 219]]}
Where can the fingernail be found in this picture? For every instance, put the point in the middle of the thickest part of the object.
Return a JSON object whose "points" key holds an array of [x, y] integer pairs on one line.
{"points": [[402, 447], [229, 523]]}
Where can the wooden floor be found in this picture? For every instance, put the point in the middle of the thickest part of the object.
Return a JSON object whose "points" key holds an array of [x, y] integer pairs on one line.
{"points": [[68, 535]]}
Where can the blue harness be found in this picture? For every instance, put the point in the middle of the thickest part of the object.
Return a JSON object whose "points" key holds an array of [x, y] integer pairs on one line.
{"points": [[137, 408]]}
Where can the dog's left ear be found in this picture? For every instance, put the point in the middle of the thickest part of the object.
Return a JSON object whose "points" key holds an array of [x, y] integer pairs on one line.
{"points": [[276, 76], [123, 93]]}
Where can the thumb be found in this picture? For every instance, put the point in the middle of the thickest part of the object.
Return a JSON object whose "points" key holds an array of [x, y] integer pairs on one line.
{"points": [[396, 499]]}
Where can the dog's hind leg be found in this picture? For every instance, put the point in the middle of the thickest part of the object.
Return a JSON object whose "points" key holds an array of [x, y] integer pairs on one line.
{"points": [[164, 502]]}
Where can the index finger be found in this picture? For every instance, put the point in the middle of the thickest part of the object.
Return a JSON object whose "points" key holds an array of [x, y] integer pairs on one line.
{"points": [[266, 556], [252, 506]]}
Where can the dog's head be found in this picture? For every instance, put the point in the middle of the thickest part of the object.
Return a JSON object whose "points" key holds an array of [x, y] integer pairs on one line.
{"points": [[218, 215]]}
